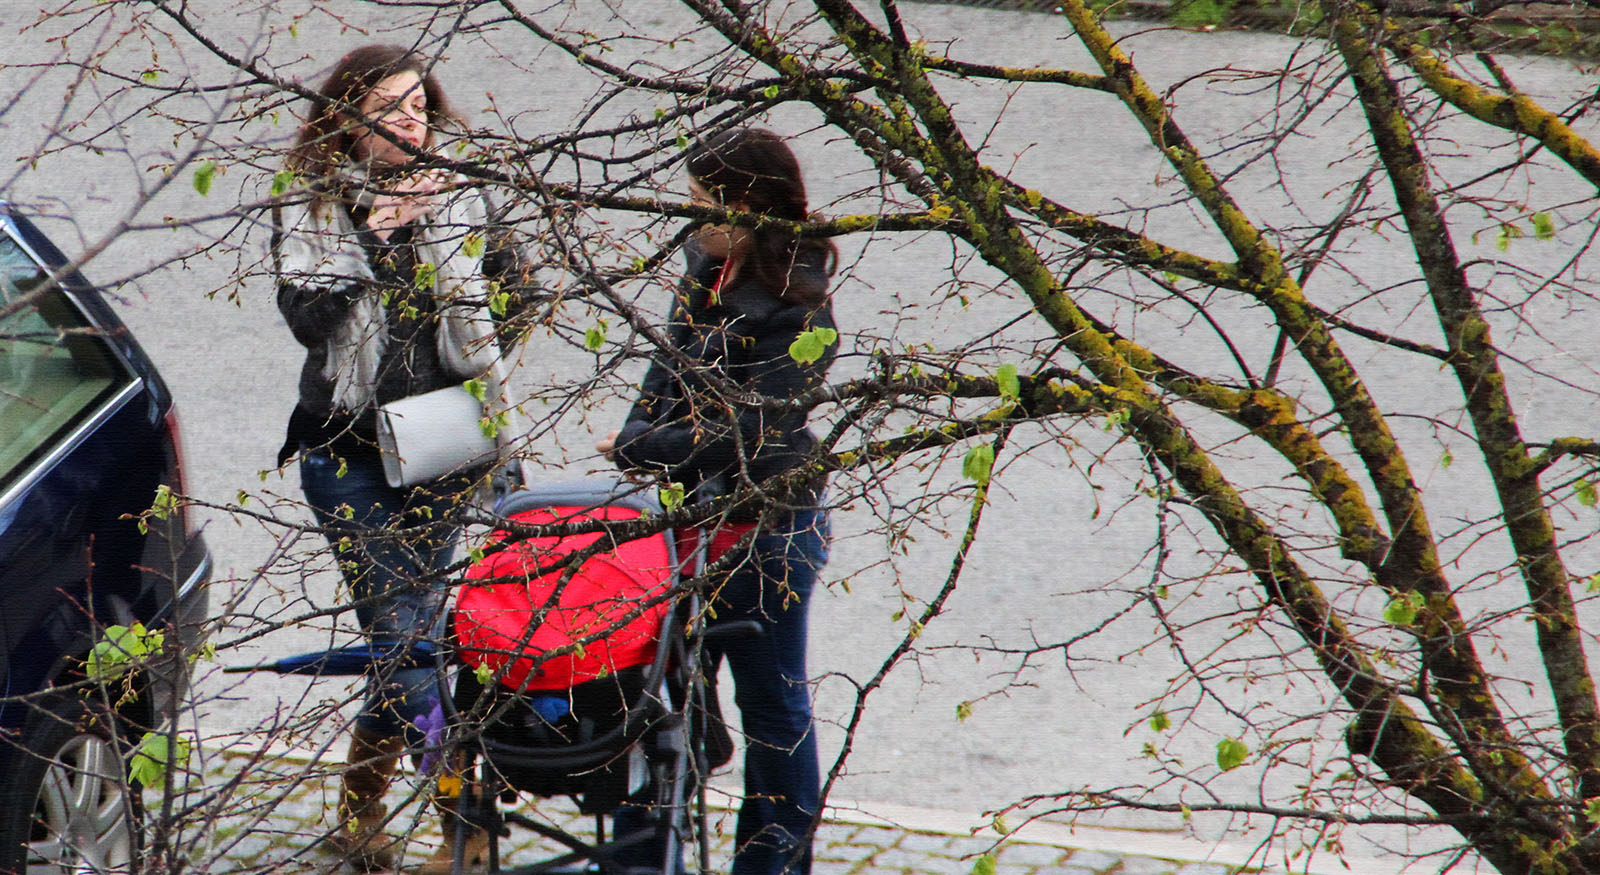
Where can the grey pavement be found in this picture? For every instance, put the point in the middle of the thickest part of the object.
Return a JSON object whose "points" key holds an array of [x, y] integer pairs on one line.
{"points": [[1046, 577], [271, 809]]}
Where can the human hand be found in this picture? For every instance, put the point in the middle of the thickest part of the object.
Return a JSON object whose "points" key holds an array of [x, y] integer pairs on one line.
{"points": [[607, 445], [411, 198]]}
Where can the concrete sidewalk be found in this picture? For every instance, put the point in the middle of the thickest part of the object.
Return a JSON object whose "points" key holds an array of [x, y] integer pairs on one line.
{"points": [[280, 804]]}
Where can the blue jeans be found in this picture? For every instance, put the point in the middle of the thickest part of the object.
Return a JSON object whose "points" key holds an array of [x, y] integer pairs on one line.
{"points": [[395, 583], [782, 784]]}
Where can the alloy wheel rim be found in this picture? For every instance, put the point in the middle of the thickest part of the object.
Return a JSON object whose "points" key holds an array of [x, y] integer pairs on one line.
{"points": [[82, 812]]}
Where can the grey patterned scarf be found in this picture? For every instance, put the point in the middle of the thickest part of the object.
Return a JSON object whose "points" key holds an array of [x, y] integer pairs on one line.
{"points": [[319, 248]]}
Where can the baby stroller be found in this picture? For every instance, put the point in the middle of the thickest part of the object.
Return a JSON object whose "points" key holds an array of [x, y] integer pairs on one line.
{"points": [[580, 675]]}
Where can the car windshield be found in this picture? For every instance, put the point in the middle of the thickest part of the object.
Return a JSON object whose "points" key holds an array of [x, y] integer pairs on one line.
{"points": [[54, 371]]}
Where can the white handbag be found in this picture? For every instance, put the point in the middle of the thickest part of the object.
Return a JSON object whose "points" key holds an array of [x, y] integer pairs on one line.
{"points": [[424, 437]]}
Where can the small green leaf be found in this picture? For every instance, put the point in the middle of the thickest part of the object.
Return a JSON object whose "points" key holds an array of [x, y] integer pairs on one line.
{"points": [[999, 825], [595, 338], [499, 302], [109, 657], [154, 756], [150, 76], [1446, 460], [770, 92], [483, 673], [1544, 226], [426, 272], [203, 175], [477, 389], [1160, 722], [963, 711], [1006, 380], [166, 502], [984, 866], [1586, 492], [282, 181], [143, 769], [472, 246], [806, 348], [1231, 753], [1592, 584], [1592, 811], [671, 495], [661, 113], [344, 468], [809, 346], [1402, 610], [1508, 232], [118, 648], [294, 28], [491, 425], [978, 463]]}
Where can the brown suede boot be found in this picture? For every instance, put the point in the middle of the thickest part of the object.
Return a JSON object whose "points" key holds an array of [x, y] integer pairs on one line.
{"points": [[359, 836], [475, 854]]}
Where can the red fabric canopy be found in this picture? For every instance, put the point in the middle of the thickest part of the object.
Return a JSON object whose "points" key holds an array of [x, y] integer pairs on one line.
{"points": [[509, 621]]}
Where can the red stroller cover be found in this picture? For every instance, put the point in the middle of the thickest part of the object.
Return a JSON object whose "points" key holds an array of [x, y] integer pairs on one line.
{"points": [[494, 622]]}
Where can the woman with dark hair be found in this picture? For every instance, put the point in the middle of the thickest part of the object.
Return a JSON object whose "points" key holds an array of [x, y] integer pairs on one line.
{"points": [[747, 295], [384, 276]]}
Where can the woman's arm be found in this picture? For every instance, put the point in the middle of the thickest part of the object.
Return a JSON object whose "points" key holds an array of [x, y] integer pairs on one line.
{"points": [[320, 272], [313, 313], [717, 435]]}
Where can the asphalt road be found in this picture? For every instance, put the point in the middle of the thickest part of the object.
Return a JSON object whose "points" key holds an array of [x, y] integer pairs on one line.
{"points": [[1066, 543]]}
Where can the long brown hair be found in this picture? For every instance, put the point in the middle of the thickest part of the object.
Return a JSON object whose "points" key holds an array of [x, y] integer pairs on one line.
{"points": [[326, 139], [756, 168]]}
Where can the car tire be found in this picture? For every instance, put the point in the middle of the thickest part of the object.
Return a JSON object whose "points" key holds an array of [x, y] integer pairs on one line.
{"points": [[68, 806]]}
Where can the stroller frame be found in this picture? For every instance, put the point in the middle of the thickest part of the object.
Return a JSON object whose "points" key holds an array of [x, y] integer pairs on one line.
{"points": [[671, 727]]}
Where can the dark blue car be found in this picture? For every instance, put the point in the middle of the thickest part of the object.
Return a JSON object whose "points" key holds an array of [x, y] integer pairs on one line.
{"points": [[88, 446]]}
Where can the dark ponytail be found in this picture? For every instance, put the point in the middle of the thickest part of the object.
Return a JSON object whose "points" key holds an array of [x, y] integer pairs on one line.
{"points": [[756, 168]]}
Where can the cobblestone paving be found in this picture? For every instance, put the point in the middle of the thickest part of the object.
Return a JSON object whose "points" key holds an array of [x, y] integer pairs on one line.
{"points": [[272, 823]]}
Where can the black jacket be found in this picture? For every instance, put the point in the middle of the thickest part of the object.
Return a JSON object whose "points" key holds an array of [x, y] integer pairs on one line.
{"points": [[410, 364], [682, 426]]}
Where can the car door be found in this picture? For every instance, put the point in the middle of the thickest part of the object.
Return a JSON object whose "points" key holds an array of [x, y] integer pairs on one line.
{"points": [[70, 440]]}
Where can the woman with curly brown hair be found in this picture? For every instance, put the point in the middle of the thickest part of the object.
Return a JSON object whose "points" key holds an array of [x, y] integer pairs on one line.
{"points": [[383, 276]]}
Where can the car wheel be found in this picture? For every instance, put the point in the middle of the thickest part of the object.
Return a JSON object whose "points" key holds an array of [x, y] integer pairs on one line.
{"points": [[68, 807]]}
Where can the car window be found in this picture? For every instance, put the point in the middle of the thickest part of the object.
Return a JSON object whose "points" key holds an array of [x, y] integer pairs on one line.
{"points": [[54, 370]]}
